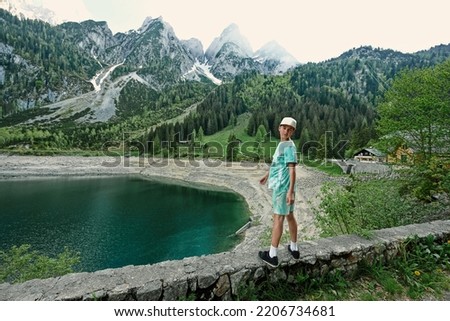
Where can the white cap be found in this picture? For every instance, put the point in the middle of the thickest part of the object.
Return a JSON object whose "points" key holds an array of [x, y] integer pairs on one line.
{"points": [[289, 121]]}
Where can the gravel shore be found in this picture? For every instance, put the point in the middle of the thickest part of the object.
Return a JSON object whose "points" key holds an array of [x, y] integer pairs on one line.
{"points": [[242, 178]]}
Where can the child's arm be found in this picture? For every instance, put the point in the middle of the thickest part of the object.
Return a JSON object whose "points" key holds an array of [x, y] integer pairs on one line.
{"points": [[290, 197]]}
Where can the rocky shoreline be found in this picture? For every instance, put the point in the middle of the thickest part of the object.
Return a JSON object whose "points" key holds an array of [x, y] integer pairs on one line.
{"points": [[242, 178]]}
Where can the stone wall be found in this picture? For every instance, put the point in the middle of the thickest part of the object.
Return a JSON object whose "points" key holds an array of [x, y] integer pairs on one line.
{"points": [[220, 276]]}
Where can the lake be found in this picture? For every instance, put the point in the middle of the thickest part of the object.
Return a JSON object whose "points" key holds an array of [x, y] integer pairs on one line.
{"points": [[119, 221]]}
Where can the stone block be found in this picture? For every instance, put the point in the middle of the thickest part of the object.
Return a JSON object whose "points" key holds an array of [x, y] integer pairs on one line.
{"points": [[150, 291], [174, 291], [206, 280], [222, 286], [238, 278]]}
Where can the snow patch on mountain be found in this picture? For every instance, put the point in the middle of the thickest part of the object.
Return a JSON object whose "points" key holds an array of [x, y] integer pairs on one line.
{"points": [[201, 69], [96, 106], [100, 77]]}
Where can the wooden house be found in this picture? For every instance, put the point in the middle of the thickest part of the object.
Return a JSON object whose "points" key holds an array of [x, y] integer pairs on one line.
{"points": [[403, 155], [371, 155]]}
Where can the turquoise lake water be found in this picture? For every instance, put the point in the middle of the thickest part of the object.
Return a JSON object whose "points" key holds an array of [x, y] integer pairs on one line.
{"points": [[119, 221]]}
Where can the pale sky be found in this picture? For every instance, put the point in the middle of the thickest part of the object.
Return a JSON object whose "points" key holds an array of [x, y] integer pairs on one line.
{"points": [[311, 30]]}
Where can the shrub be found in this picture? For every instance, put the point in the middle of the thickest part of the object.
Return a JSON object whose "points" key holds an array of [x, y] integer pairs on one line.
{"points": [[429, 179], [369, 205], [20, 264]]}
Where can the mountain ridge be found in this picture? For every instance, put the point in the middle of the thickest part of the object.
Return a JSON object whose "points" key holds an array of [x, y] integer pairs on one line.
{"points": [[25, 9], [64, 62]]}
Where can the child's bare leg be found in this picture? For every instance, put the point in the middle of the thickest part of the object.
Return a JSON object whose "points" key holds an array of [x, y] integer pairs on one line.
{"points": [[292, 224], [277, 229], [293, 247]]}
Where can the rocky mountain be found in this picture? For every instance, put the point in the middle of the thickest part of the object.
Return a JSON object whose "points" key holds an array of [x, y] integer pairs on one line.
{"points": [[232, 35], [38, 65], [93, 38], [231, 53], [152, 55], [195, 48], [363, 73], [275, 59], [26, 9]]}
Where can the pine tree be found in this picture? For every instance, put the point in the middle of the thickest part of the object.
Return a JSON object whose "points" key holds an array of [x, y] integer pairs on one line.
{"points": [[262, 132], [200, 134], [232, 152]]}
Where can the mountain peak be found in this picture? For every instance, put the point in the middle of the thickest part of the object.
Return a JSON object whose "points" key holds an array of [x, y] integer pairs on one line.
{"points": [[273, 52], [230, 34], [365, 52], [231, 29], [149, 21]]}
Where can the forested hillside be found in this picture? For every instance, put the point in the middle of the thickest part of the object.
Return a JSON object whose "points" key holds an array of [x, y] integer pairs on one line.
{"points": [[338, 96], [42, 61]]}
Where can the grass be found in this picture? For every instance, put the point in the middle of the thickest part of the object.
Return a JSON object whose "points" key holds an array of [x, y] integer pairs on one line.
{"points": [[326, 167], [21, 263], [240, 132], [421, 271]]}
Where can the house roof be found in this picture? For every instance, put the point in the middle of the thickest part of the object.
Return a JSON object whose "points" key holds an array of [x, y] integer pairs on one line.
{"points": [[372, 151]]}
